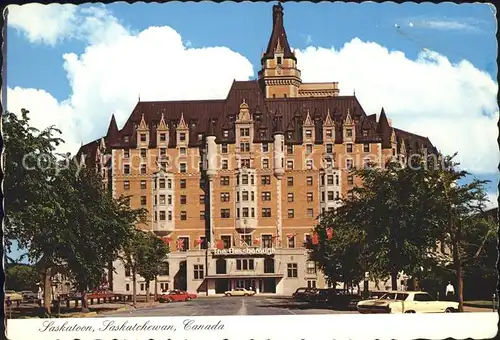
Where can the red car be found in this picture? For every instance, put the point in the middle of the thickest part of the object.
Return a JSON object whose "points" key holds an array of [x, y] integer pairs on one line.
{"points": [[174, 296], [190, 295]]}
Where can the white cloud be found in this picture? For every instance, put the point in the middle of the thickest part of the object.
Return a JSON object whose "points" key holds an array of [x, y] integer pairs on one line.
{"points": [[429, 96], [452, 104], [493, 201], [444, 24]]}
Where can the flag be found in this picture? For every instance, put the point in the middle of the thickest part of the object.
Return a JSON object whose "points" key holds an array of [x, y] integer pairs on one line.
{"points": [[329, 233], [220, 244], [256, 241], [180, 243], [315, 239], [166, 239], [198, 241]]}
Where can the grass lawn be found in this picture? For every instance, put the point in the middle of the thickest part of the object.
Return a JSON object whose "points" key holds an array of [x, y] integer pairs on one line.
{"points": [[479, 303]]}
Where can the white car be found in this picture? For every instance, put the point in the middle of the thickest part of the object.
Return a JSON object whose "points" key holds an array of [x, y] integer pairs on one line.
{"points": [[406, 302], [239, 292]]}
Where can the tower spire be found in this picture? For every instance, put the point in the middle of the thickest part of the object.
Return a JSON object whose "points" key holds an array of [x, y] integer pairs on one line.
{"points": [[278, 37]]}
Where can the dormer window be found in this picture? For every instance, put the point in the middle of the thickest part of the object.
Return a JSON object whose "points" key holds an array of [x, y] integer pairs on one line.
{"points": [[163, 137], [279, 61], [182, 137], [365, 133], [225, 133], [308, 133], [289, 135], [183, 151], [348, 132], [143, 137], [200, 137], [163, 152], [329, 133], [125, 139]]}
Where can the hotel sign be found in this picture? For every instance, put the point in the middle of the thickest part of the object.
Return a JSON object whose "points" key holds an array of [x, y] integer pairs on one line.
{"points": [[245, 251]]}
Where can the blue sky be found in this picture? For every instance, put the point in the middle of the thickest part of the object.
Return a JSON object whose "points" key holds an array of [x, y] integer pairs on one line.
{"points": [[432, 67]]}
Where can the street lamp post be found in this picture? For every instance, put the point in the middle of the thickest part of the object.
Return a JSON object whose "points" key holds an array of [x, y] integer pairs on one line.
{"points": [[206, 266]]}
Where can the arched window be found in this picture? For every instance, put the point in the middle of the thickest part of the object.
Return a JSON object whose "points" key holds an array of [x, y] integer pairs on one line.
{"points": [[221, 266]]}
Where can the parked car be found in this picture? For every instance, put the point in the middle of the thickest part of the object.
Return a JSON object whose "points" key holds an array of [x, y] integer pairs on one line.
{"points": [[302, 294], [174, 296], [13, 297], [406, 302], [239, 292], [318, 296], [190, 295], [29, 296]]}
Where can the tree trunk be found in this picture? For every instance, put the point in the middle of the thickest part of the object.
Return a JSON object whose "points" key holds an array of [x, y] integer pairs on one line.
{"points": [[47, 290], [156, 288], [460, 280], [110, 275], [85, 305], [147, 291], [394, 279], [134, 290]]}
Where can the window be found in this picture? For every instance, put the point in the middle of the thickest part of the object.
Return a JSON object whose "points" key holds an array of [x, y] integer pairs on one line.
{"points": [[143, 169], [224, 197], [127, 287], [169, 199], [289, 149], [143, 184], [366, 147], [202, 215], [309, 180], [266, 196], [310, 212], [423, 297], [307, 238], [290, 197], [183, 167], [142, 286], [185, 243], [267, 241], [328, 162], [245, 163], [348, 164], [268, 265], [127, 271], [202, 199], [126, 185], [198, 272], [336, 179], [162, 183], [348, 148], [182, 151], [322, 196], [126, 153], [162, 215], [265, 147], [309, 148], [311, 267], [265, 163], [329, 133], [221, 266], [183, 199], [330, 195], [245, 212], [126, 139], [183, 216], [350, 179], [183, 184], [308, 133], [278, 60], [364, 132], [289, 165], [163, 137], [182, 137], [329, 179], [348, 132], [291, 241], [244, 147], [143, 200], [225, 164], [292, 269], [310, 197], [265, 180], [291, 213], [225, 213], [144, 153], [226, 241], [170, 216], [224, 180], [244, 132], [337, 195], [162, 199], [244, 196], [224, 148], [289, 181], [311, 283], [245, 264], [266, 212], [126, 169], [143, 137], [244, 179], [329, 148]]}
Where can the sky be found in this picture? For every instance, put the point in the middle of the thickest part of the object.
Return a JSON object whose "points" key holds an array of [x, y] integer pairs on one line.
{"points": [[431, 66]]}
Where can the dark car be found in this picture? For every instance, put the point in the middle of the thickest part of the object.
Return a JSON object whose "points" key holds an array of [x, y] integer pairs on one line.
{"points": [[319, 296], [303, 294], [342, 298]]}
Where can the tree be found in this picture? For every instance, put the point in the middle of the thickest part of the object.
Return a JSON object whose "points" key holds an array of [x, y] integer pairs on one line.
{"points": [[20, 277], [392, 207], [149, 255], [340, 258], [457, 206], [35, 209]]}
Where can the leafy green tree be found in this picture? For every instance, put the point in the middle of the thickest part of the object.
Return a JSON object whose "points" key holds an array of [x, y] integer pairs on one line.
{"points": [[150, 254], [20, 277], [458, 205]]}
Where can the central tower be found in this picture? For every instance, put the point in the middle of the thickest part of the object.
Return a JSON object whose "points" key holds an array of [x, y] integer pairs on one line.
{"points": [[279, 76]]}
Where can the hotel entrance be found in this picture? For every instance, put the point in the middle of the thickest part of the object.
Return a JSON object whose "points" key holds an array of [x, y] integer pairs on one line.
{"points": [[246, 283]]}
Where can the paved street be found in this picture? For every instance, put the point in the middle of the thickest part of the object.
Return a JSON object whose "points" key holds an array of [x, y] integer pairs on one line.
{"points": [[203, 306]]}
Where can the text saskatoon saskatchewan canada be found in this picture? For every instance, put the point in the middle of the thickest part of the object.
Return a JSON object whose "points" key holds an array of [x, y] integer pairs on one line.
{"points": [[127, 326]]}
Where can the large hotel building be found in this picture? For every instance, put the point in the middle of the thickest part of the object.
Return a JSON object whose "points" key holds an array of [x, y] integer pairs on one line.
{"points": [[235, 185]]}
